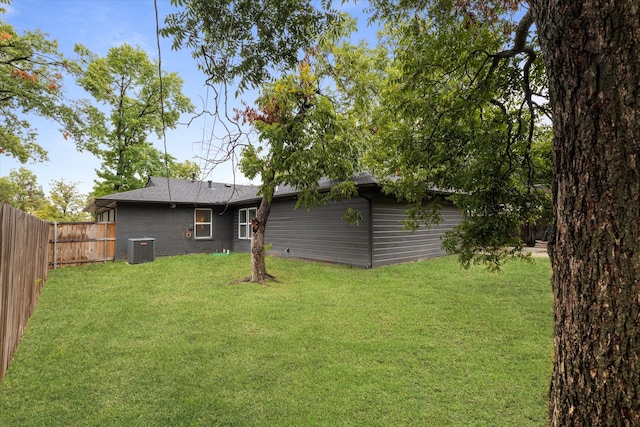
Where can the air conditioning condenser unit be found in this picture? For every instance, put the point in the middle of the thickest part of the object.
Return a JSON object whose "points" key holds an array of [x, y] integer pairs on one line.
{"points": [[141, 250]]}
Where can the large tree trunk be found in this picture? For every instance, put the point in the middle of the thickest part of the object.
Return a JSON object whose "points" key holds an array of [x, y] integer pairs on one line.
{"points": [[592, 56], [259, 223]]}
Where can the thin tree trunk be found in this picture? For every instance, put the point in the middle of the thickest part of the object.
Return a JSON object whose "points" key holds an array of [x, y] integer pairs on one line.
{"points": [[592, 56], [259, 223]]}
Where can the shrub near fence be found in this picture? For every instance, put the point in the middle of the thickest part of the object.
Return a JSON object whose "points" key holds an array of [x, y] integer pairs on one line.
{"points": [[24, 241]]}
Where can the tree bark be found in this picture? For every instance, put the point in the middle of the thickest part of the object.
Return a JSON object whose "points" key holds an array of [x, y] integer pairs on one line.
{"points": [[258, 224], [592, 57]]}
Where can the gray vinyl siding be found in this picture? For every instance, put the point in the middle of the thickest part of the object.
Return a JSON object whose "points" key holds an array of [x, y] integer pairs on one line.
{"points": [[393, 244], [170, 229], [318, 234]]}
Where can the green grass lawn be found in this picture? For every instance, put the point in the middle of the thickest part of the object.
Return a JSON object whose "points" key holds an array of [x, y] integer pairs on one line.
{"points": [[172, 342]]}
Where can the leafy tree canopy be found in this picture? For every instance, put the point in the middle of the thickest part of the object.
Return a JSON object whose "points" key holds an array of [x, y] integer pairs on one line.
{"points": [[461, 113], [64, 204], [303, 139], [126, 83], [21, 190], [31, 74], [249, 40], [183, 170], [310, 123]]}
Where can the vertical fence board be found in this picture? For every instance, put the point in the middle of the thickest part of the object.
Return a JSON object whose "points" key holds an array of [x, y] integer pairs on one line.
{"points": [[23, 271]]}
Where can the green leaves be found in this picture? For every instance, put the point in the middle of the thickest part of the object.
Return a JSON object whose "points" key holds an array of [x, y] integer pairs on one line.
{"points": [[247, 40], [127, 84], [65, 203], [306, 135], [458, 113], [21, 190], [31, 74]]}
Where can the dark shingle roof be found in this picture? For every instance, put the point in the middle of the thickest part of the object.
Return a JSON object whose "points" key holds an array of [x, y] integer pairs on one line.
{"points": [[186, 191], [364, 178], [180, 191]]}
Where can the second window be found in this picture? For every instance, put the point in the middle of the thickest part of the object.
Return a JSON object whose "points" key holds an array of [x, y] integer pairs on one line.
{"points": [[245, 215]]}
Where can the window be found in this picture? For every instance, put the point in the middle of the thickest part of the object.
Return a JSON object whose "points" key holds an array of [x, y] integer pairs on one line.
{"points": [[245, 216], [106, 216], [203, 226]]}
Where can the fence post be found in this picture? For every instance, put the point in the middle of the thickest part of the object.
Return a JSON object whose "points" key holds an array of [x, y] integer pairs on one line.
{"points": [[55, 241], [106, 231]]}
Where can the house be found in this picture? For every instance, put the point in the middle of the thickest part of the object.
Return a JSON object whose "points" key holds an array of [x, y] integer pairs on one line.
{"points": [[189, 216]]}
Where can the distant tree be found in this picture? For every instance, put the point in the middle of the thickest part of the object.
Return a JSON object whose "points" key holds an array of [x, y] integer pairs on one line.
{"points": [[137, 163], [152, 163], [126, 81], [183, 170], [21, 190], [64, 204], [31, 74]]}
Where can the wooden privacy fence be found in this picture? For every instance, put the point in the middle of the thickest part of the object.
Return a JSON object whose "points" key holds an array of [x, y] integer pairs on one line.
{"points": [[530, 233], [78, 243], [23, 270]]}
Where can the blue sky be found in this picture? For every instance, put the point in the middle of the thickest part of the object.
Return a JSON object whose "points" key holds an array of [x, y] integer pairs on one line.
{"points": [[100, 25]]}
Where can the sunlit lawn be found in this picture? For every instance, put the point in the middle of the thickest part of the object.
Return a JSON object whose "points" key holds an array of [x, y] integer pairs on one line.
{"points": [[174, 343]]}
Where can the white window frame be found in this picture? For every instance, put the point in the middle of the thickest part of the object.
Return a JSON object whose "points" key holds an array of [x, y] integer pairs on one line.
{"points": [[246, 225], [196, 223]]}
